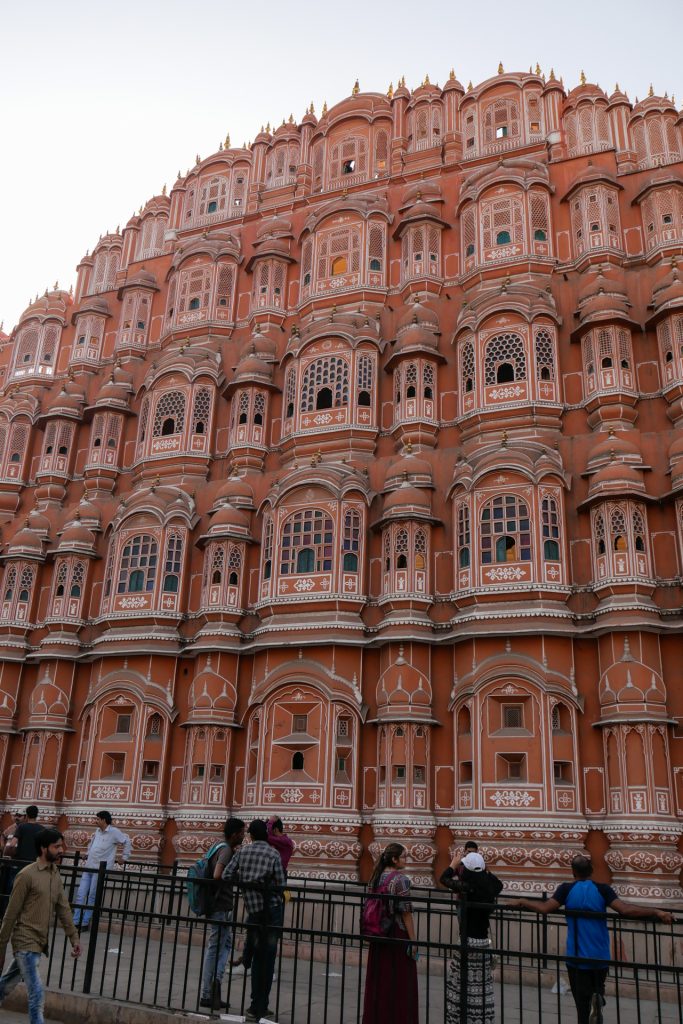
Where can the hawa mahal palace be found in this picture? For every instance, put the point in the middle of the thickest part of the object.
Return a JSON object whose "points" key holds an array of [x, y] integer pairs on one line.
{"points": [[348, 485]]}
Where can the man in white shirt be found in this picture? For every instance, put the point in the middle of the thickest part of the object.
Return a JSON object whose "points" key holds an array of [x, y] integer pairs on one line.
{"points": [[103, 847]]}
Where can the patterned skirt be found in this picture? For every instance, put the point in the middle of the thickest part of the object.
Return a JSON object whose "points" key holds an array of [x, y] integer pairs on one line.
{"points": [[480, 1008]]}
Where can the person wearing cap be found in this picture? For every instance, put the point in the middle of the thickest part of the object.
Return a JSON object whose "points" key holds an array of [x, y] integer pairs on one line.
{"points": [[588, 935], [467, 876]]}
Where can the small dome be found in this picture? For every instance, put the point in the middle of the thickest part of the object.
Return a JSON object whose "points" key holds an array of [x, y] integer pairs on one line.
{"points": [[629, 682], [229, 518], [403, 692], [406, 498], [669, 290], [408, 467], [252, 369], [236, 491], [51, 304], [617, 478], [623, 448], [89, 514], [77, 536], [26, 540], [585, 91], [420, 315]]}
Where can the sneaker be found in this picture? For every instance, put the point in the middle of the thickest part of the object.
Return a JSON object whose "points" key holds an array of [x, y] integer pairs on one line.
{"points": [[250, 1015], [597, 1003]]}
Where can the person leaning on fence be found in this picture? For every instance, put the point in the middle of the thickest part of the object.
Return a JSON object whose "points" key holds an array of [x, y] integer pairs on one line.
{"points": [[588, 936], [219, 913], [102, 847], [257, 868], [391, 974], [478, 889], [37, 895]]}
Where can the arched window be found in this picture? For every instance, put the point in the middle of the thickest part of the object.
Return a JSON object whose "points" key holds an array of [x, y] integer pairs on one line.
{"points": [[138, 565], [173, 562], [464, 537], [351, 540], [339, 254], [545, 356], [501, 121], [307, 543], [329, 375], [467, 368], [169, 415], [502, 222], [505, 530], [201, 410], [550, 518], [298, 761], [365, 372], [268, 548], [504, 359]]}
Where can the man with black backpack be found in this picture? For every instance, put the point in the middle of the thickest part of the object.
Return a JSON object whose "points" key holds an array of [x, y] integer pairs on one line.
{"points": [[218, 908]]}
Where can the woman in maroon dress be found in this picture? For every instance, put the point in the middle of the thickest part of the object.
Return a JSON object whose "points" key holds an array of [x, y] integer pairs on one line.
{"points": [[391, 976]]}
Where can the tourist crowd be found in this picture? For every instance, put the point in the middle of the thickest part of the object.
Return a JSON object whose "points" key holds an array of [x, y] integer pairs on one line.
{"points": [[258, 869]]}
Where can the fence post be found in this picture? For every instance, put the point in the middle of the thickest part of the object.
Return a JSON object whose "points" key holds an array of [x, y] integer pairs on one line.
{"points": [[544, 932], [94, 926], [463, 957], [72, 883]]}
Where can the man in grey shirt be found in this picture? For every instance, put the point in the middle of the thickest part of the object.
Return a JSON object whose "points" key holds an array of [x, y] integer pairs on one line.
{"points": [[220, 935]]}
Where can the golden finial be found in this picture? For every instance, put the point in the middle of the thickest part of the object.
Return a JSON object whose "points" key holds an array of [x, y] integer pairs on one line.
{"points": [[291, 119], [268, 127], [616, 87], [163, 190], [470, 87], [390, 91], [582, 78], [426, 81], [325, 108], [666, 94], [226, 144], [55, 286], [451, 75], [673, 99], [403, 81], [283, 123], [501, 69], [198, 159], [538, 69], [220, 146], [178, 176], [651, 91], [552, 75], [356, 88], [312, 107]]}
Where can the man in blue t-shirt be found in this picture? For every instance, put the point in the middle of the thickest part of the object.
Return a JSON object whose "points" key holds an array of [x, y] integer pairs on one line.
{"points": [[588, 945]]}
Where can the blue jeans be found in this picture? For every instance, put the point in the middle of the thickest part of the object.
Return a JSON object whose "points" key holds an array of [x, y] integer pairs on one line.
{"points": [[87, 891], [24, 968], [217, 951], [263, 934]]}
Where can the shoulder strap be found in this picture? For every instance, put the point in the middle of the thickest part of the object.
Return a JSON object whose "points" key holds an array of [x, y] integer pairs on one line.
{"points": [[387, 881], [215, 849]]}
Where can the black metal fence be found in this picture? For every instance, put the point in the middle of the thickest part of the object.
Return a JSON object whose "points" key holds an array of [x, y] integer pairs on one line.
{"points": [[146, 947]]}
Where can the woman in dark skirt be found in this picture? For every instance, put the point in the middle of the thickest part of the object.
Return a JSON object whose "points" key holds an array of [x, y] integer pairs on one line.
{"points": [[468, 876], [391, 976]]}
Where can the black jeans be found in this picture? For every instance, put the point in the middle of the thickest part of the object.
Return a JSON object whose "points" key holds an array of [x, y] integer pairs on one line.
{"points": [[263, 932], [584, 983]]}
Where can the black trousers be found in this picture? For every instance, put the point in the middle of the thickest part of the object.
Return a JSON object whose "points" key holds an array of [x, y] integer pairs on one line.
{"points": [[584, 983]]}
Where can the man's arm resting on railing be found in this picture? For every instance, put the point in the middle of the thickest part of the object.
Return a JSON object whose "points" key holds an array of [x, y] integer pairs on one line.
{"points": [[542, 906], [626, 909]]}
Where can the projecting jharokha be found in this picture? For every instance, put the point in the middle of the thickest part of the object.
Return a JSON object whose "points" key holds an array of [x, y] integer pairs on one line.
{"points": [[348, 485]]}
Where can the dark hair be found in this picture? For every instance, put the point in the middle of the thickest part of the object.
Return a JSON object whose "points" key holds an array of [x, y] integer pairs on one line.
{"points": [[582, 867], [471, 845], [232, 826], [32, 811], [258, 831], [277, 823], [390, 853], [105, 815], [47, 837]]}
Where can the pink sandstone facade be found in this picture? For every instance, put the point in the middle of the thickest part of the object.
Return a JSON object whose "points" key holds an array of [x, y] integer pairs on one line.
{"points": [[348, 484]]}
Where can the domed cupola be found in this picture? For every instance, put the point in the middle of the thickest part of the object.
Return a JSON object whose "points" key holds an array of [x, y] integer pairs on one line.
{"points": [[76, 538], [419, 231], [403, 693], [624, 448], [605, 332], [414, 364], [236, 491], [26, 543]]}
